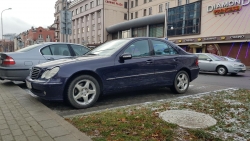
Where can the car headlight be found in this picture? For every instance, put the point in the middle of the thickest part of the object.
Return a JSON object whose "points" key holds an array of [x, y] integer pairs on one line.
{"points": [[50, 73], [235, 65]]}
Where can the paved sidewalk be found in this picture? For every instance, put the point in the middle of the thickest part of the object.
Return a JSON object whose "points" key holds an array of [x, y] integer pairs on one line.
{"points": [[24, 118]]}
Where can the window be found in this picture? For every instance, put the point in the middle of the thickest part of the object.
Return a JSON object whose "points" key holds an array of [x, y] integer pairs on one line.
{"points": [[73, 13], [61, 50], [145, 1], [93, 27], [156, 30], [149, 0], [40, 36], [132, 15], [167, 5], [160, 8], [136, 14], [138, 49], [125, 5], [87, 17], [83, 30], [187, 1], [78, 31], [87, 29], [91, 4], [99, 26], [83, 19], [93, 39], [93, 16], [132, 4], [136, 2], [150, 11], [203, 57], [99, 38], [97, 2], [57, 9], [46, 51], [76, 11], [48, 36], [78, 40], [179, 2], [161, 48], [99, 14], [79, 50], [139, 32], [144, 12], [81, 9], [86, 7], [125, 16], [74, 31]]}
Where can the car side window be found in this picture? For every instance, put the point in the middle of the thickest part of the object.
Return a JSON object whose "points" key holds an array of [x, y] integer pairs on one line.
{"points": [[60, 49], [46, 51], [138, 49], [161, 48], [203, 57], [79, 50]]}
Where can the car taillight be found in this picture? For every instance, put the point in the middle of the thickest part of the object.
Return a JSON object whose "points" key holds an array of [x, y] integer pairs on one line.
{"points": [[9, 61], [196, 62]]}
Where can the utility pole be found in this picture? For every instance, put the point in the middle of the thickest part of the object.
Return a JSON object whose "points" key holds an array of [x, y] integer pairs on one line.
{"points": [[65, 21], [166, 21]]}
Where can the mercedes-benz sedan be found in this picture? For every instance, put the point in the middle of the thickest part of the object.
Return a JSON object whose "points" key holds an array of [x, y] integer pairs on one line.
{"points": [[118, 65]]}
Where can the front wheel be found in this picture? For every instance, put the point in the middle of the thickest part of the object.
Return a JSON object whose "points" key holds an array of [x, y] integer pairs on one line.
{"points": [[181, 82], [83, 91], [221, 70]]}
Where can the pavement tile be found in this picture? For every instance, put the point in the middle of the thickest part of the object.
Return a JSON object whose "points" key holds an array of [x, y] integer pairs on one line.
{"points": [[37, 128], [2, 121], [42, 117], [4, 126], [14, 126], [47, 139], [20, 138], [25, 127], [57, 131], [34, 138], [33, 123], [21, 122], [8, 137], [66, 138], [11, 121], [29, 133], [48, 123], [42, 133], [4, 132], [17, 132]]}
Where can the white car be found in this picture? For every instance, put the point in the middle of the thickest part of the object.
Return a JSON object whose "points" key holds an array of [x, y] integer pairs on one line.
{"points": [[213, 63]]}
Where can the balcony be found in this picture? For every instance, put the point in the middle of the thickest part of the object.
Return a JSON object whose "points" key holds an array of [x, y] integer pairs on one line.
{"points": [[57, 30], [56, 21]]}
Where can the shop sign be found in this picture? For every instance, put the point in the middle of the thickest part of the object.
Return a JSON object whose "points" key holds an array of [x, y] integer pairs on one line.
{"points": [[189, 40], [237, 37], [228, 6], [114, 2], [210, 38]]}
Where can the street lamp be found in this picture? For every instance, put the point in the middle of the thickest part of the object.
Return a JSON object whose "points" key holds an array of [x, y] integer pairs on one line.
{"points": [[2, 22], [166, 21]]}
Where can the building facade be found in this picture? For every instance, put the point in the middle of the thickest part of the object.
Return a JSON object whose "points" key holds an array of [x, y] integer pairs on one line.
{"points": [[34, 36], [215, 26]]}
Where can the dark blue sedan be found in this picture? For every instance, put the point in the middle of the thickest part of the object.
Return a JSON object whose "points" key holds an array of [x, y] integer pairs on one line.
{"points": [[118, 65]]}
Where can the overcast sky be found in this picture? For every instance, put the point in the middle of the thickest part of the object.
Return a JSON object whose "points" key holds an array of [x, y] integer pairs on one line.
{"points": [[26, 13]]}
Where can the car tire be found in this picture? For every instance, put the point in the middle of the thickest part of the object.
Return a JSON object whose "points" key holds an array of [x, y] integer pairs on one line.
{"points": [[221, 70], [83, 91], [181, 82]]}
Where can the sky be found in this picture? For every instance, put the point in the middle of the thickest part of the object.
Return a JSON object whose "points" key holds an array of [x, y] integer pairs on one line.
{"points": [[26, 13]]}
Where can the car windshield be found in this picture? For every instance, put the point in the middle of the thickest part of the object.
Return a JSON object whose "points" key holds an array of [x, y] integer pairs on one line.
{"points": [[28, 48], [107, 49], [216, 58]]}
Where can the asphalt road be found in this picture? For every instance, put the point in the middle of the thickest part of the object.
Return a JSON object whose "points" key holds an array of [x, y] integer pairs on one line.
{"points": [[206, 82]]}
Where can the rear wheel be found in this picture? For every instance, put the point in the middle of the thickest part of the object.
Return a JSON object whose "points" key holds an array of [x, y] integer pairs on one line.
{"points": [[181, 82], [83, 91], [221, 70]]}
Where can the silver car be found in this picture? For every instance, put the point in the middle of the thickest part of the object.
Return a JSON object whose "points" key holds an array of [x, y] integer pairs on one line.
{"points": [[16, 65], [213, 63]]}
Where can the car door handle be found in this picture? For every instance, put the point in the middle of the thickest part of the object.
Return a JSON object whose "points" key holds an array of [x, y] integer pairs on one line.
{"points": [[50, 58], [149, 61], [175, 59]]}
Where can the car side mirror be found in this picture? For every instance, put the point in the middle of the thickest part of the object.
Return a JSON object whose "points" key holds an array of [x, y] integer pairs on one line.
{"points": [[125, 57]]}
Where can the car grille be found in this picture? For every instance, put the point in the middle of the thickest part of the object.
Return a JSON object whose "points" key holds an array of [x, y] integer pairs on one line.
{"points": [[35, 73]]}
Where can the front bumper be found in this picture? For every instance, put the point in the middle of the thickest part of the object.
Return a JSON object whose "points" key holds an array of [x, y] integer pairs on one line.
{"points": [[48, 90], [237, 70], [14, 74]]}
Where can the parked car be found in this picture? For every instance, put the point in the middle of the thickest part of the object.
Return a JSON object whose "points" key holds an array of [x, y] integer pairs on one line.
{"points": [[231, 59], [117, 65], [16, 65], [213, 63]]}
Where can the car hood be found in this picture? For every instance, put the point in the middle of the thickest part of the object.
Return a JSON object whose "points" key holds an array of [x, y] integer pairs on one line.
{"points": [[69, 60]]}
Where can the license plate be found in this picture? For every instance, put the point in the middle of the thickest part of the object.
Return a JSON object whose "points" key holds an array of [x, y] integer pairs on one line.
{"points": [[28, 85]]}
